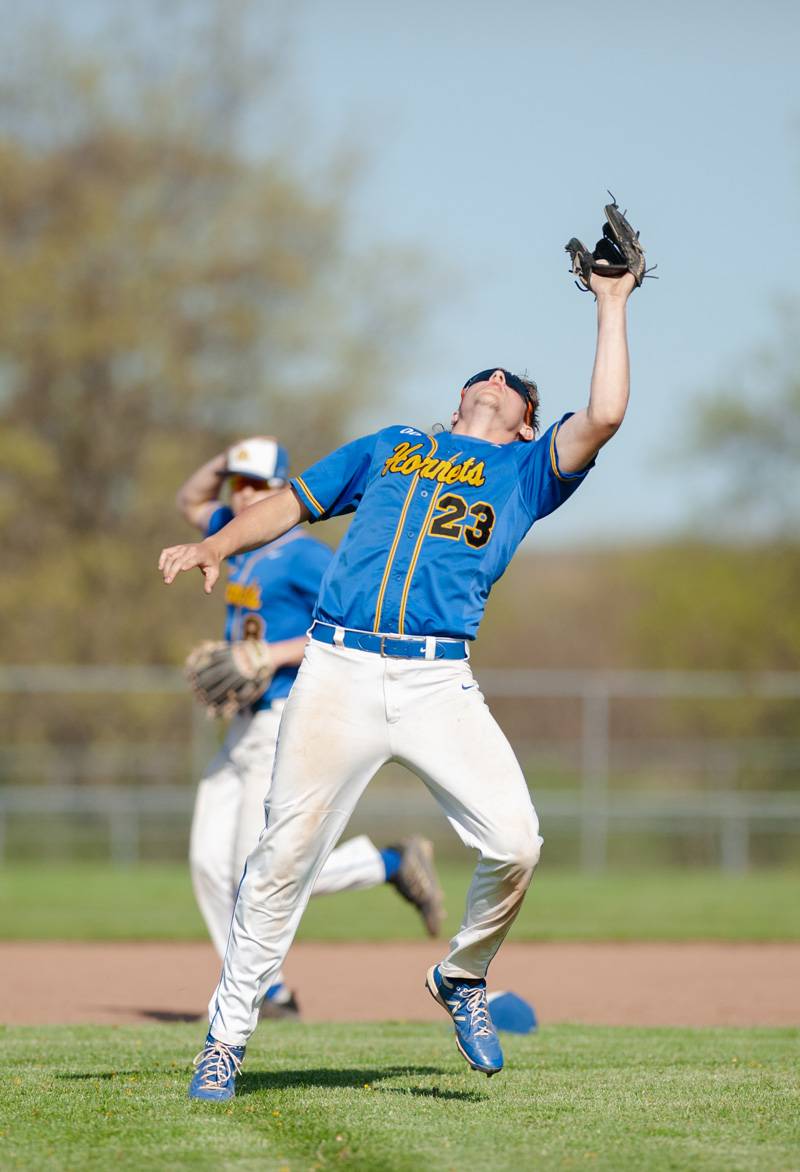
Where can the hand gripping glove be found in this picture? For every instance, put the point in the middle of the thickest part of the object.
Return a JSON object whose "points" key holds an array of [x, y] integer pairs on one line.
{"points": [[617, 252], [227, 677]]}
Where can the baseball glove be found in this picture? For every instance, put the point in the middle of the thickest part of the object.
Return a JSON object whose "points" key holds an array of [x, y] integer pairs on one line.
{"points": [[617, 252], [226, 677]]}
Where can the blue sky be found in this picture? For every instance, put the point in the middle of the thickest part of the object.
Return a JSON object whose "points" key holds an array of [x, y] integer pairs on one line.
{"points": [[490, 134]]}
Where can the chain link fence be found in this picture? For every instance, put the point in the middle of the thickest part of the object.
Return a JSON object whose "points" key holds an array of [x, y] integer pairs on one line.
{"points": [[686, 768]]}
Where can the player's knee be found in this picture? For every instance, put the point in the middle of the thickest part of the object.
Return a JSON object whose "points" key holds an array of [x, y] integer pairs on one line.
{"points": [[276, 882], [521, 847], [526, 853], [277, 868]]}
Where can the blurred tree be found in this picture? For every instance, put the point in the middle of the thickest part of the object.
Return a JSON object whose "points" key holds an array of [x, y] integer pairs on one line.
{"points": [[164, 289], [717, 606], [748, 436], [729, 599]]}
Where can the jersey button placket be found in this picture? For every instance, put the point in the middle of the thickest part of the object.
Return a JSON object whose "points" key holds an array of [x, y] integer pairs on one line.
{"points": [[391, 608], [414, 537]]}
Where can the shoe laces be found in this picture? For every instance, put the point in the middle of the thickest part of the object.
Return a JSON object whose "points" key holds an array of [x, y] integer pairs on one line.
{"points": [[477, 1007], [216, 1064]]}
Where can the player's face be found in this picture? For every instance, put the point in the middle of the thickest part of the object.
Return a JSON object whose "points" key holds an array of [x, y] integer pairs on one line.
{"points": [[491, 389], [246, 490]]}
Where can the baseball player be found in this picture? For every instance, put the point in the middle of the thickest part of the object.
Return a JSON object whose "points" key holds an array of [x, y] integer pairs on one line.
{"points": [[270, 594], [437, 519]]}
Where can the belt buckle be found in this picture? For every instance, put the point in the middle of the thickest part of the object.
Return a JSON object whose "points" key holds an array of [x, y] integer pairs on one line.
{"points": [[389, 654]]}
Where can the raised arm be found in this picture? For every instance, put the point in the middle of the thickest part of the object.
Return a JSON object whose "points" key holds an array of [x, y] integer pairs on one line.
{"points": [[199, 496], [582, 435], [255, 526]]}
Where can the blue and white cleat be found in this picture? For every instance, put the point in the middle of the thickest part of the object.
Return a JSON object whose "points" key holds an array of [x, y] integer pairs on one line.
{"points": [[216, 1067], [466, 1003]]}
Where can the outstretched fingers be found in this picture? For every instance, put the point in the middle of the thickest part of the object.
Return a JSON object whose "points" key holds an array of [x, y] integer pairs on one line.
{"points": [[210, 574], [175, 559]]}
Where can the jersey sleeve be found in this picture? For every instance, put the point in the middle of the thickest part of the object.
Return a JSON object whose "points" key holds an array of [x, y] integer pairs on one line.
{"points": [[544, 486], [218, 520], [335, 484]]}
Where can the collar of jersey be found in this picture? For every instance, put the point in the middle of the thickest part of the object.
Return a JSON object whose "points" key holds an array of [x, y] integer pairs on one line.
{"points": [[461, 436]]}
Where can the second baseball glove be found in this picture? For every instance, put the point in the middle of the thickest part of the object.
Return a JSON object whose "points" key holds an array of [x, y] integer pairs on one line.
{"points": [[226, 677], [617, 252]]}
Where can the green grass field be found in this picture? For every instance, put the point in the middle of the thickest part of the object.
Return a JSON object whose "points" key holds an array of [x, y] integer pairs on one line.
{"points": [[398, 1097], [94, 902]]}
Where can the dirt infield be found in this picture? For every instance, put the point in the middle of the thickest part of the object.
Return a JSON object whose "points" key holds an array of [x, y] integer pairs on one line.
{"points": [[611, 984]]}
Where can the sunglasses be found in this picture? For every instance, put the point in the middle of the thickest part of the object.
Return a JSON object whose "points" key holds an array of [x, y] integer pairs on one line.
{"points": [[240, 482], [512, 381]]}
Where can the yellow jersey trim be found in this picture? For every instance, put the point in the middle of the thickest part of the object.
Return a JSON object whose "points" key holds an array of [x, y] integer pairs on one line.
{"points": [[564, 477], [299, 480], [553, 460], [393, 550], [414, 557]]}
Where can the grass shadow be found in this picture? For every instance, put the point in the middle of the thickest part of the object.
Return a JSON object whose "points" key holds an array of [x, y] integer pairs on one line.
{"points": [[170, 1015], [435, 1093], [251, 1082], [163, 1015]]}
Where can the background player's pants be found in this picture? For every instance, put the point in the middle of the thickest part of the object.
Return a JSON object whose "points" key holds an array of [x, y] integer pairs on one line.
{"points": [[348, 713], [229, 816]]}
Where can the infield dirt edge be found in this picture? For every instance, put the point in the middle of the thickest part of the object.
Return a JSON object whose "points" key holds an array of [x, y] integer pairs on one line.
{"points": [[633, 984]]}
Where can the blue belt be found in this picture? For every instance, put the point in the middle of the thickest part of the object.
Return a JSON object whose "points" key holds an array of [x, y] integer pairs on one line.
{"points": [[390, 646]]}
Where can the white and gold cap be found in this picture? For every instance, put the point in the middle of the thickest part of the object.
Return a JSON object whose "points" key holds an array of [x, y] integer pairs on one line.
{"points": [[261, 457]]}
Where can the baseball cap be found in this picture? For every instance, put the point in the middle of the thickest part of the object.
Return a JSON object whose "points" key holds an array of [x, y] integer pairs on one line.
{"points": [[261, 457]]}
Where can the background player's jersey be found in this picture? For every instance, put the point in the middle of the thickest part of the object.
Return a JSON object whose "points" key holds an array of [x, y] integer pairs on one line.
{"points": [[438, 519], [270, 593]]}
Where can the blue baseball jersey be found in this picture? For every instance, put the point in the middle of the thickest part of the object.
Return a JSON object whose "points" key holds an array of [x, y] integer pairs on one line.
{"points": [[437, 520], [270, 593]]}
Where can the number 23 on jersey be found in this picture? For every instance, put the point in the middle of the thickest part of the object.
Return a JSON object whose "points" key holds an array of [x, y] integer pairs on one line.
{"points": [[455, 519]]}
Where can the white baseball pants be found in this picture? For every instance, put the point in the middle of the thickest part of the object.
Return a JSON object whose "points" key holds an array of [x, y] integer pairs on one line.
{"points": [[229, 815], [348, 713]]}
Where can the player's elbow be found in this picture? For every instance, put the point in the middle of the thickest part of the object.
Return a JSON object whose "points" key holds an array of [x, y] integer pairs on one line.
{"points": [[183, 502], [606, 409], [606, 423], [189, 509], [610, 428]]}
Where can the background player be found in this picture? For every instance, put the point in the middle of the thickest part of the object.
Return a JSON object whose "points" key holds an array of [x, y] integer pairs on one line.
{"points": [[270, 595], [437, 520]]}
